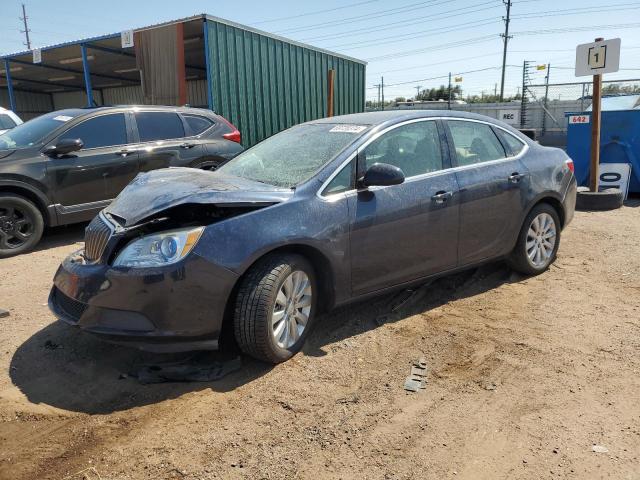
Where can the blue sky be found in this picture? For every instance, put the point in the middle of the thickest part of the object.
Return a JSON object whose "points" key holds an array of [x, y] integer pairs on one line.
{"points": [[409, 42]]}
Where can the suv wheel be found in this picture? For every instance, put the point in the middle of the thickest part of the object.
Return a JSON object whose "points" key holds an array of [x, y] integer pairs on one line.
{"points": [[275, 308], [538, 241], [21, 225]]}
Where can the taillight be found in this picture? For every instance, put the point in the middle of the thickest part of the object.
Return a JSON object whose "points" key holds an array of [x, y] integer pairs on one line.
{"points": [[569, 163], [234, 136]]}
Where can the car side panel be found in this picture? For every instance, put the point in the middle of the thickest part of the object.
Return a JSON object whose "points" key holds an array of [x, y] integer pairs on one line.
{"points": [[236, 243]]}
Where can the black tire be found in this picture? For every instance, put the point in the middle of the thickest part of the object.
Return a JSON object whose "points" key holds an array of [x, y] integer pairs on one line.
{"points": [[608, 199], [255, 304], [21, 225], [518, 259]]}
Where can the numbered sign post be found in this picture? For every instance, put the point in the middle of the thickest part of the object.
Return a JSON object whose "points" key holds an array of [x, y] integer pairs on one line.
{"points": [[597, 58]]}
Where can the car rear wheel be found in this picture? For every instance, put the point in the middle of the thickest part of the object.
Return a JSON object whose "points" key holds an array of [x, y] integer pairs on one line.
{"points": [[21, 225], [538, 241], [275, 307]]}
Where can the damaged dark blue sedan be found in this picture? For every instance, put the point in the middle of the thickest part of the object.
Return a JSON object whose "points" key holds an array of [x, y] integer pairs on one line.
{"points": [[322, 214]]}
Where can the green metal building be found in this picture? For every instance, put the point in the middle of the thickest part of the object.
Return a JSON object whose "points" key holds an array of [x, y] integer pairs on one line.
{"points": [[261, 82]]}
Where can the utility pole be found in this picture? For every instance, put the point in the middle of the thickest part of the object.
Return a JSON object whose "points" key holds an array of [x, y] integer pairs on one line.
{"points": [[418, 87], [546, 99], [449, 101], [378, 86], [594, 173], [505, 36], [26, 27], [495, 90], [382, 87]]}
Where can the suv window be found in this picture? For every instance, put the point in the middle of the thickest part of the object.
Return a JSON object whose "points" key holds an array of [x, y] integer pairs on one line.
{"points": [[102, 131], [6, 122], [342, 182], [413, 148], [513, 144], [154, 126], [474, 142], [197, 124]]}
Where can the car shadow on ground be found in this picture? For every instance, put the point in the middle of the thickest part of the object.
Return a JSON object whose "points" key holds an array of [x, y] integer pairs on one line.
{"points": [[61, 236], [65, 368]]}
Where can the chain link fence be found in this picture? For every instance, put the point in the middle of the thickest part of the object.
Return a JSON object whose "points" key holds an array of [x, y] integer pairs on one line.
{"points": [[544, 107]]}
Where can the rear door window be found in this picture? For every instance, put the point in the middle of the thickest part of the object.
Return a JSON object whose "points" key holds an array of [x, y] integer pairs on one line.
{"points": [[474, 142], [103, 131], [155, 126], [197, 124]]}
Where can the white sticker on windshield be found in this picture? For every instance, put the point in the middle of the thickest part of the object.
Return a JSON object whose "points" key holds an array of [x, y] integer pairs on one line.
{"points": [[348, 128], [62, 118]]}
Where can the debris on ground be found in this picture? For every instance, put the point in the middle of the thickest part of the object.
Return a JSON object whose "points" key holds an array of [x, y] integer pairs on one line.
{"points": [[417, 380], [599, 449], [191, 370], [4, 313]]}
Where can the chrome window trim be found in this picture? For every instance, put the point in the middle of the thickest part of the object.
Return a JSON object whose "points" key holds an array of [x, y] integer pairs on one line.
{"points": [[336, 196]]}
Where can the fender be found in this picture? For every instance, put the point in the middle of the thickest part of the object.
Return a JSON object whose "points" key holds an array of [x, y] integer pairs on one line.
{"points": [[48, 209]]}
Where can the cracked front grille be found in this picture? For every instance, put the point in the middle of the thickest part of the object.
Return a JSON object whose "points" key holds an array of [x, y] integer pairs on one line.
{"points": [[96, 236]]}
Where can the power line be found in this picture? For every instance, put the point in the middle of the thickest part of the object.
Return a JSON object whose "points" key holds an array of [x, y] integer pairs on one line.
{"points": [[317, 12], [358, 18], [413, 35], [444, 46], [404, 23]]}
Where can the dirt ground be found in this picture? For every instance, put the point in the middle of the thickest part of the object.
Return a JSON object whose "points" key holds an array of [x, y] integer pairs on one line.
{"points": [[526, 375]]}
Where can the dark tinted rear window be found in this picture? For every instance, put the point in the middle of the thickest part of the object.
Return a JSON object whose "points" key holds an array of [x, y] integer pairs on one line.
{"points": [[159, 126], [102, 131], [197, 124]]}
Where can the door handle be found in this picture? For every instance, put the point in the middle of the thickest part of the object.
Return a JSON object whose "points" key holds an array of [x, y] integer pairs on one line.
{"points": [[441, 197], [515, 177], [187, 145], [124, 152]]}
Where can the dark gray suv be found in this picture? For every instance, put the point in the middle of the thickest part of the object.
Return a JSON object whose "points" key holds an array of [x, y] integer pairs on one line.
{"points": [[322, 214], [64, 167]]}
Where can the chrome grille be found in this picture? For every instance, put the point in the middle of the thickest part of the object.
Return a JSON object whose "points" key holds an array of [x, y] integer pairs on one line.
{"points": [[96, 236]]}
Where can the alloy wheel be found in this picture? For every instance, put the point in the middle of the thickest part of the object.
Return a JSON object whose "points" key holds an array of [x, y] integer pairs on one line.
{"points": [[291, 310], [16, 227], [541, 240]]}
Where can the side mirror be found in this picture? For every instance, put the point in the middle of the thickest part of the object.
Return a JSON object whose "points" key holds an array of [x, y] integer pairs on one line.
{"points": [[64, 146], [382, 174]]}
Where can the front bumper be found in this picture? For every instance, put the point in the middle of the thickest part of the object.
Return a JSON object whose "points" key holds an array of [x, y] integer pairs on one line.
{"points": [[180, 307]]}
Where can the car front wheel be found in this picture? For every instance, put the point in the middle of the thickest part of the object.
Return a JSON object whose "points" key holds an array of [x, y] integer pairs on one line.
{"points": [[538, 241], [275, 307], [21, 225]]}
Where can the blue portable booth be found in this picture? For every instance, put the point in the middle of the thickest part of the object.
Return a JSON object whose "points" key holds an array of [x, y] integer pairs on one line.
{"points": [[619, 138]]}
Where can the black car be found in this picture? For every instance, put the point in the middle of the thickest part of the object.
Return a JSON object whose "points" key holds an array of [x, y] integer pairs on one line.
{"points": [[64, 167], [325, 213]]}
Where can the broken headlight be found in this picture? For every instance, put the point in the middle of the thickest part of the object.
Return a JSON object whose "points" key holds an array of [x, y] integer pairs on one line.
{"points": [[158, 249]]}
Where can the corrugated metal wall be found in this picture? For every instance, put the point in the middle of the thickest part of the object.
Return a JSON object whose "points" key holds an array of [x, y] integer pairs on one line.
{"points": [[30, 104], [264, 85]]}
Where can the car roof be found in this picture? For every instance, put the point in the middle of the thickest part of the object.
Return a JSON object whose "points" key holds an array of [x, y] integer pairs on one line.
{"points": [[376, 118], [184, 109]]}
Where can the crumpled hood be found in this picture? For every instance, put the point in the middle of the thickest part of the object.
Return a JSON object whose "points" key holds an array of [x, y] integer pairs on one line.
{"points": [[158, 190]]}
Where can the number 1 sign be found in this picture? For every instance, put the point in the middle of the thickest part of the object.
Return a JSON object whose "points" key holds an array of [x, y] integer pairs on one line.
{"points": [[598, 57]]}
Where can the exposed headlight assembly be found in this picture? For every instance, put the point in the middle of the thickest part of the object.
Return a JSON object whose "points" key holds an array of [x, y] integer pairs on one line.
{"points": [[159, 249]]}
